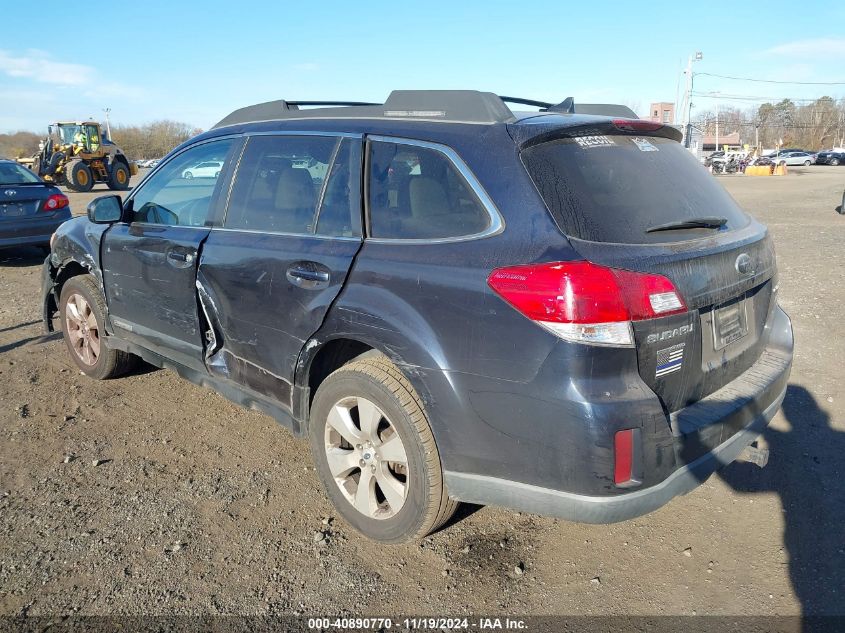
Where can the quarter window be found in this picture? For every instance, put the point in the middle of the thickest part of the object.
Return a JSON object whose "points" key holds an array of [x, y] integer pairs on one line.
{"points": [[281, 181], [418, 193], [173, 197]]}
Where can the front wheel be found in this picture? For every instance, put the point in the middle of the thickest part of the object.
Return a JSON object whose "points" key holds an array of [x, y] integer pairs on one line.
{"points": [[188, 175], [375, 452], [79, 176], [834, 161], [82, 310], [806, 163]]}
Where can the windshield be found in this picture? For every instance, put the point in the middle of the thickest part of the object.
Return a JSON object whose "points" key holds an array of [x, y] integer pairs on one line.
{"points": [[614, 188], [67, 132], [14, 174]]}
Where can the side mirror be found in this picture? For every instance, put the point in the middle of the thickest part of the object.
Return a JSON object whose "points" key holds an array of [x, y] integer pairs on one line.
{"points": [[105, 210]]}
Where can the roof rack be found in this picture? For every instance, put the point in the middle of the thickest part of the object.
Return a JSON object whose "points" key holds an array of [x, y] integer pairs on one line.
{"points": [[455, 106]]}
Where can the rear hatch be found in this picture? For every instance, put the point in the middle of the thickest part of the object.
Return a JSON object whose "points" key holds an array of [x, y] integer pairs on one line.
{"points": [[629, 196]]}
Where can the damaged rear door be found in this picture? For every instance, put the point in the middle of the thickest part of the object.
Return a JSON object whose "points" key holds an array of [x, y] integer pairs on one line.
{"points": [[267, 277], [149, 262]]}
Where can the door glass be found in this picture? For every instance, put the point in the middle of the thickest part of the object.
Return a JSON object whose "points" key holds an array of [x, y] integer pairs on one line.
{"points": [[172, 197], [340, 212], [279, 183]]}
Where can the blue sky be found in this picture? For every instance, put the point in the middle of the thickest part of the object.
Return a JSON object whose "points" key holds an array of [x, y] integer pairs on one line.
{"points": [[197, 61]]}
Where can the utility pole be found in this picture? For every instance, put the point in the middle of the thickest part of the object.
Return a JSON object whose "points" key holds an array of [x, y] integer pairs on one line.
{"points": [[687, 123], [108, 127]]}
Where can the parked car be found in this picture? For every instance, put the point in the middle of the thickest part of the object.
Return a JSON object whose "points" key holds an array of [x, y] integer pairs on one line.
{"points": [[30, 209], [830, 158], [205, 169], [444, 319], [795, 158]]}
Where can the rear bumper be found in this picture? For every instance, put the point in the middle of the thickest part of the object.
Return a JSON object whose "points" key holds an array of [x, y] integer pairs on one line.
{"points": [[593, 509], [30, 231], [701, 438]]}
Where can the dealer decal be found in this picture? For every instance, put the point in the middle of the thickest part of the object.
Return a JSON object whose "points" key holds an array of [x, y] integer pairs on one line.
{"points": [[594, 141], [644, 145]]}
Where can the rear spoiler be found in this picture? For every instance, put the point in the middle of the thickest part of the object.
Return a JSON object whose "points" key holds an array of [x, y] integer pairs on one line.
{"points": [[542, 132]]}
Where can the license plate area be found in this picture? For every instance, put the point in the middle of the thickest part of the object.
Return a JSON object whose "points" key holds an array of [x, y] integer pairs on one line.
{"points": [[730, 322], [12, 210]]}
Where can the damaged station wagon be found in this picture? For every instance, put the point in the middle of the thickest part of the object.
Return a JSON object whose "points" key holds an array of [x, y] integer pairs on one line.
{"points": [[557, 311]]}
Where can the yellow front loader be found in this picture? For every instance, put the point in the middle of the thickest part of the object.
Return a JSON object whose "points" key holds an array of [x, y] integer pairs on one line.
{"points": [[77, 155]]}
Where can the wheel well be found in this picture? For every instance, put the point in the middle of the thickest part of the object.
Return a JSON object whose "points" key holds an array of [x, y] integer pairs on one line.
{"points": [[330, 357], [71, 269]]}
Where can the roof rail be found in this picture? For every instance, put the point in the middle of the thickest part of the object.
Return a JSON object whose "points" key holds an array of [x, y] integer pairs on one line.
{"points": [[456, 106]]}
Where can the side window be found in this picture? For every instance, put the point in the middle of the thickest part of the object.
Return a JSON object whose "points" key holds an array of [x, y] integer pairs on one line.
{"points": [[173, 197], [418, 193], [279, 182], [340, 211]]}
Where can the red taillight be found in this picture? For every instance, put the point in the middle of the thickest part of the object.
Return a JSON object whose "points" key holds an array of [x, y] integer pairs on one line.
{"points": [[636, 125], [584, 302], [55, 202]]}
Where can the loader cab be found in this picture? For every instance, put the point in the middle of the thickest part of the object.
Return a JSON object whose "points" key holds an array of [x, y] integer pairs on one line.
{"points": [[67, 135]]}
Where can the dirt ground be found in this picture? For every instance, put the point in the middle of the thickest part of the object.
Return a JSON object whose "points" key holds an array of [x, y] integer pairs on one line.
{"points": [[149, 495]]}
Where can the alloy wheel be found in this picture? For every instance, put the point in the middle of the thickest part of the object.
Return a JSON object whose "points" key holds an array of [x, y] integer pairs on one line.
{"points": [[82, 329], [366, 457]]}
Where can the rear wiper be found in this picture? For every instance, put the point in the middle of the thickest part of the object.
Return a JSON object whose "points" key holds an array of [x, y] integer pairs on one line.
{"points": [[694, 223]]}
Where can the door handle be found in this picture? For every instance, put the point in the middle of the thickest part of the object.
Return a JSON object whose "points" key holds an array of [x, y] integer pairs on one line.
{"points": [[309, 275], [180, 259]]}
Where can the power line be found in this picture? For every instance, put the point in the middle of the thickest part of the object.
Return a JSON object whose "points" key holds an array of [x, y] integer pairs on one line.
{"points": [[734, 97], [775, 81]]}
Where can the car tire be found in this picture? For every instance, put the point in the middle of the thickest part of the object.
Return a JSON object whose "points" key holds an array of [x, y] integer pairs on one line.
{"points": [[119, 180], [79, 176], [416, 502], [216, 174], [806, 163], [834, 161], [188, 175], [82, 310]]}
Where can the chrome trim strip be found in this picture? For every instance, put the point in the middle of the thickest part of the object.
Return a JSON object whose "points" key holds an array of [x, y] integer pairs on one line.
{"points": [[303, 133], [497, 223], [282, 234]]}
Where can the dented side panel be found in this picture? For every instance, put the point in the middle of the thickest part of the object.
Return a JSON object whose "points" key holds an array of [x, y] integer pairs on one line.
{"points": [[260, 314], [150, 282], [76, 247]]}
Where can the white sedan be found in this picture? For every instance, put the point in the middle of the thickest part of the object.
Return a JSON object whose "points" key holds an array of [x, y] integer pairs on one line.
{"points": [[207, 169], [795, 158]]}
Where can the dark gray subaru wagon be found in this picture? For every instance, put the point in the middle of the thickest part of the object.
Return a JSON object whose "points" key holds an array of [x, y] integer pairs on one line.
{"points": [[558, 311]]}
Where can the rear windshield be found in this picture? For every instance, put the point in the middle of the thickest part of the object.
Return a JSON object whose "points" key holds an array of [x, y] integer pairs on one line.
{"points": [[14, 174], [614, 188]]}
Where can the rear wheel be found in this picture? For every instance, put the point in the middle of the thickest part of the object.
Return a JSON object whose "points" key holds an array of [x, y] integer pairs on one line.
{"points": [[375, 452], [82, 311], [834, 161], [79, 176], [119, 179], [188, 175], [806, 163]]}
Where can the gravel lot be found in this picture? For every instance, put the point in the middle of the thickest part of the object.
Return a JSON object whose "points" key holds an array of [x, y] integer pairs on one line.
{"points": [[148, 495]]}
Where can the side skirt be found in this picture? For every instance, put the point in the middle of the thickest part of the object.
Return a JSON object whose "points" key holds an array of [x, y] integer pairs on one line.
{"points": [[238, 394]]}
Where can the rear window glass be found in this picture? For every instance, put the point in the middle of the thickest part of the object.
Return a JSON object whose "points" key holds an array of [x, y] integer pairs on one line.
{"points": [[614, 188], [12, 174]]}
